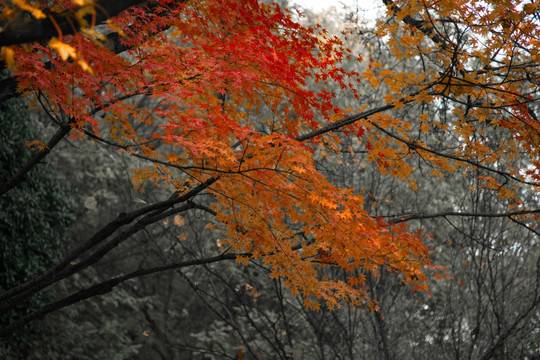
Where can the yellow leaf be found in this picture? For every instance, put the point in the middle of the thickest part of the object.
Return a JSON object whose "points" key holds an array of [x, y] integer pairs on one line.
{"points": [[36, 145], [85, 9], [65, 50], [8, 13], [530, 8], [242, 260], [23, 5], [92, 32], [116, 29], [146, 333], [83, 2], [84, 65], [182, 237], [7, 53], [178, 220]]}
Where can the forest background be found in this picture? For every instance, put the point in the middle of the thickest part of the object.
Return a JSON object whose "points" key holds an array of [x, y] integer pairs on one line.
{"points": [[184, 190]]}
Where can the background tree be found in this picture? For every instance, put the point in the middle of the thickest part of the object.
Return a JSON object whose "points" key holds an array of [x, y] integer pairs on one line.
{"points": [[41, 205]]}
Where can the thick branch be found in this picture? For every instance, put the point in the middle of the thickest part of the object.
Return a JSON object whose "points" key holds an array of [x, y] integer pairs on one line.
{"points": [[24, 28], [59, 135], [400, 219], [412, 145], [20, 175], [8, 87], [63, 268], [344, 122], [422, 25], [107, 286]]}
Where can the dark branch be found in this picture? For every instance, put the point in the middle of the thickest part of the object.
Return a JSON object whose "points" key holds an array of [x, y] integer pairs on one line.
{"points": [[25, 28], [65, 268], [107, 286], [400, 219], [422, 25], [344, 122], [8, 87], [415, 146], [20, 175]]}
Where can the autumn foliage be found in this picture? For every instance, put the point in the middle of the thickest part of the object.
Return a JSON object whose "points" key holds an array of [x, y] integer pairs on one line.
{"points": [[239, 107]]}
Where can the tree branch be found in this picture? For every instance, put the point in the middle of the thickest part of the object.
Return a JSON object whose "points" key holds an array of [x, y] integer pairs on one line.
{"points": [[107, 286], [523, 317], [344, 122], [419, 216], [422, 25], [8, 87], [20, 175], [415, 146], [63, 269], [24, 29]]}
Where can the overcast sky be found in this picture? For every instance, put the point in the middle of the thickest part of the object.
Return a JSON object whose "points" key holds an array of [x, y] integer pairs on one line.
{"points": [[318, 5], [368, 7]]}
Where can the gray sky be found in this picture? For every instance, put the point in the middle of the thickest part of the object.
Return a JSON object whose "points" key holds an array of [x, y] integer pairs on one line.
{"points": [[318, 5], [368, 7]]}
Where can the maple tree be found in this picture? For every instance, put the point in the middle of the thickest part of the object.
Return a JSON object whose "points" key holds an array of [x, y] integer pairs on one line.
{"points": [[239, 111]]}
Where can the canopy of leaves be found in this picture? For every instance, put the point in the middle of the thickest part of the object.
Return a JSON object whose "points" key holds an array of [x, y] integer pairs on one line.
{"points": [[212, 67], [239, 112]]}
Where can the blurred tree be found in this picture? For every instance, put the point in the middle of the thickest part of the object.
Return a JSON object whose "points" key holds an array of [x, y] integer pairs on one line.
{"points": [[34, 221]]}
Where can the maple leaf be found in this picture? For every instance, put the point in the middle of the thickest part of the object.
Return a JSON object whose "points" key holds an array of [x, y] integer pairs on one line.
{"points": [[8, 55], [530, 8], [85, 67], [23, 5], [178, 220], [219, 67], [66, 51], [83, 2]]}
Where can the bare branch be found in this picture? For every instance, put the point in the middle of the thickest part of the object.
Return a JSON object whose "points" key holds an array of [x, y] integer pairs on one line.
{"points": [[65, 267], [40, 155], [400, 219], [107, 286]]}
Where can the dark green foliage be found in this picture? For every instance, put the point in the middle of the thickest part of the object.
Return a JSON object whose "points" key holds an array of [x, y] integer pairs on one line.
{"points": [[34, 217]]}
